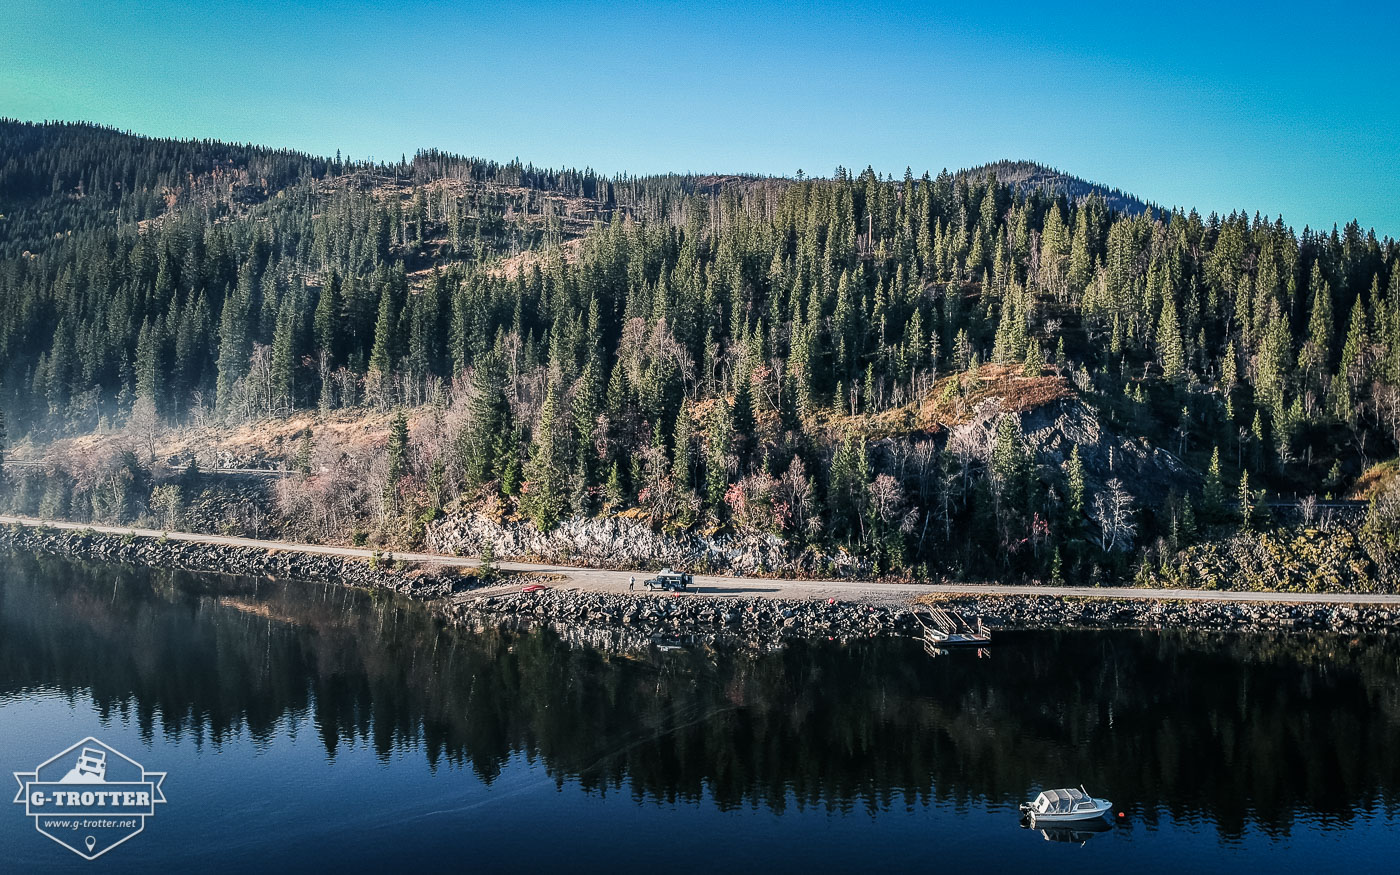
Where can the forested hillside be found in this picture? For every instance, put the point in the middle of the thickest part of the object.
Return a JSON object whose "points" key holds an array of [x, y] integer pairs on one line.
{"points": [[758, 356]]}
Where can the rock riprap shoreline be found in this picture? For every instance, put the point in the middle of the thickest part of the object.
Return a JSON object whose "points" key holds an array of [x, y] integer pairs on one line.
{"points": [[712, 619], [630, 619], [227, 559]]}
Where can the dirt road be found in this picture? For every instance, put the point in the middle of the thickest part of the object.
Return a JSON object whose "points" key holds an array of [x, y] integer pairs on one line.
{"points": [[846, 590]]}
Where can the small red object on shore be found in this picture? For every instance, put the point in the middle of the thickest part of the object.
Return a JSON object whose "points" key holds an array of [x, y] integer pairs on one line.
{"points": [[533, 587]]}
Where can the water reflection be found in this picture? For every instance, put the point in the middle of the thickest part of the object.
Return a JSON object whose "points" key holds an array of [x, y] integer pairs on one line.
{"points": [[1079, 834], [1229, 731]]}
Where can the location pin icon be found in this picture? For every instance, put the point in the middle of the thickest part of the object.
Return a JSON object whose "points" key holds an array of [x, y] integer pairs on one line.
{"points": [[90, 842]]}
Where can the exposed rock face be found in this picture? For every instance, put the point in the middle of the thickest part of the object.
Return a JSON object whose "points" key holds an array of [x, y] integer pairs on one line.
{"points": [[622, 542], [1051, 432]]}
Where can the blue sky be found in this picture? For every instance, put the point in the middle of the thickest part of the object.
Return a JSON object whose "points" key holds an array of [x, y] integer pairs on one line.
{"points": [[1282, 108]]}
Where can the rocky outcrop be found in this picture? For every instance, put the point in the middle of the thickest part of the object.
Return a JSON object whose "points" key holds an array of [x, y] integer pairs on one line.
{"points": [[623, 542], [1051, 431]]}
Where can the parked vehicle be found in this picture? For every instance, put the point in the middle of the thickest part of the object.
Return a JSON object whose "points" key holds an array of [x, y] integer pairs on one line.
{"points": [[667, 579]]}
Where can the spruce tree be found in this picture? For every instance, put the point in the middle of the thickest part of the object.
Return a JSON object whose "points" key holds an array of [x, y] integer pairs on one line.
{"points": [[681, 451], [1171, 353], [1213, 493], [718, 446], [396, 455], [478, 445], [1035, 360], [1352, 369], [327, 321], [1074, 485], [1246, 501], [284, 355], [544, 498], [233, 342]]}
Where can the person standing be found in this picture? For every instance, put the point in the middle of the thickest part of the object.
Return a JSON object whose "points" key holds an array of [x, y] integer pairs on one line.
{"points": [[632, 583]]}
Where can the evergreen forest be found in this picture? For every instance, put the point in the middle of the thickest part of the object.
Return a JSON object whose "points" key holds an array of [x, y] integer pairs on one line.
{"points": [[787, 358]]}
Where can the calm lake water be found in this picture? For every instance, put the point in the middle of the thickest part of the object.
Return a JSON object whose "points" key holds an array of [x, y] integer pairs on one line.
{"points": [[313, 727]]}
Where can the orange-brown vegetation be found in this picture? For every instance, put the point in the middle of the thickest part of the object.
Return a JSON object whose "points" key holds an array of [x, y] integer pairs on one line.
{"points": [[1374, 480], [953, 399]]}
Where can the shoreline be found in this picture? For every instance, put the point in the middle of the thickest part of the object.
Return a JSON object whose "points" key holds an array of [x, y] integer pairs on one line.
{"points": [[598, 613]]}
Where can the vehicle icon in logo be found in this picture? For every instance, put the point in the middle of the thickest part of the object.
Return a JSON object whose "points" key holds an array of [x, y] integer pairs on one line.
{"points": [[90, 798], [91, 768]]}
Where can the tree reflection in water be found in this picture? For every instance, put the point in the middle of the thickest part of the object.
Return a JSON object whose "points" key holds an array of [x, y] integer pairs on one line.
{"points": [[1229, 730]]}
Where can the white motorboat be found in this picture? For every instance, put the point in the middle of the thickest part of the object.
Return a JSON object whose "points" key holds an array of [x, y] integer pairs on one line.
{"points": [[1064, 806]]}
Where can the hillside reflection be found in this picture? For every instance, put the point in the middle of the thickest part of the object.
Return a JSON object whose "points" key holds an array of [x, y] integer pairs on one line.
{"points": [[1224, 730]]}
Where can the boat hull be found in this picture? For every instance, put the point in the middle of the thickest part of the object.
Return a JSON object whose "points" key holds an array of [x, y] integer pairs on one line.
{"points": [[1049, 819]]}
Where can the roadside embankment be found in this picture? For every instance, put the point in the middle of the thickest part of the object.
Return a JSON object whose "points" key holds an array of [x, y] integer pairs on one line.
{"points": [[578, 608], [227, 559]]}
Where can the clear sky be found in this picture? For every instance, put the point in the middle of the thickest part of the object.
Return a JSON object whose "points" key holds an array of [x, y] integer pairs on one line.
{"points": [[1282, 108]]}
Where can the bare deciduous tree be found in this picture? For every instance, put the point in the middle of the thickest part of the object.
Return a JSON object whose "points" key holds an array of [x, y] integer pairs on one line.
{"points": [[1113, 511], [144, 426], [1308, 506]]}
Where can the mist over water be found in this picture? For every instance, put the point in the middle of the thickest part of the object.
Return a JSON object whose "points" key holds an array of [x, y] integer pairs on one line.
{"points": [[315, 726]]}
